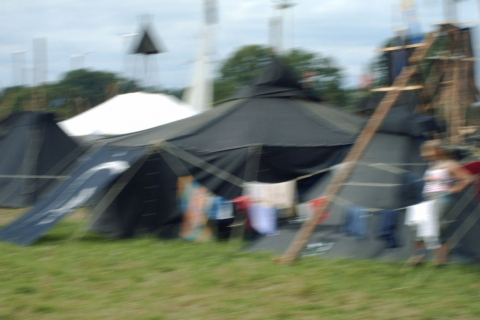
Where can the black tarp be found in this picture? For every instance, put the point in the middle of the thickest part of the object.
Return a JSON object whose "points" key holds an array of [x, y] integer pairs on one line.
{"points": [[33, 152], [94, 173]]}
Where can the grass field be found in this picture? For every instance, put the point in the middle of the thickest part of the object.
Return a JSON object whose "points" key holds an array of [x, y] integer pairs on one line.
{"points": [[94, 278]]}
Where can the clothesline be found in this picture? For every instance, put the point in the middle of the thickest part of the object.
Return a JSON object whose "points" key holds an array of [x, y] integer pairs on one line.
{"points": [[14, 176]]}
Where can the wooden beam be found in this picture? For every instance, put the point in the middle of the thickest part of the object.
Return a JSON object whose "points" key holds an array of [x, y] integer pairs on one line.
{"points": [[451, 58], [455, 120], [341, 176], [466, 23], [406, 88], [407, 46]]}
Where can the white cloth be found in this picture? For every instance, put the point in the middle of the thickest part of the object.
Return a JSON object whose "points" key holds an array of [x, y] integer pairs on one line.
{"points": [[263, 219], [424, 216], [127, 113], [282, 194], [278, 195]]}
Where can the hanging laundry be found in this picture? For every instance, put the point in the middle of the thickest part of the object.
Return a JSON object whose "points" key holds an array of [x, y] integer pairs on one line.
{"points": [[356, 222], [326, 214], [282, 195], [388, 227], [221, 209], [195, 218], [278, 195], [424, 217], [263, 219], [306, 211], [242, 206]]}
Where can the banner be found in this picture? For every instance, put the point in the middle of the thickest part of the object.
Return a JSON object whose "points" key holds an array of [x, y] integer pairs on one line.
{"points": [[96, 173]]}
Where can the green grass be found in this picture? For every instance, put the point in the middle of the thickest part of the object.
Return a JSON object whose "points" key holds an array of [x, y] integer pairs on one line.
{"points": [[94, 278]]}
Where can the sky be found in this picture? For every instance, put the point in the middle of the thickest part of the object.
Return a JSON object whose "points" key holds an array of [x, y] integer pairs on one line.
{"points": [[349, 31]]}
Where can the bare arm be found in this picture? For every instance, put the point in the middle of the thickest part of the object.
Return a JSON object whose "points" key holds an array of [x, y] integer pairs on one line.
{"points": [[462, 177]]}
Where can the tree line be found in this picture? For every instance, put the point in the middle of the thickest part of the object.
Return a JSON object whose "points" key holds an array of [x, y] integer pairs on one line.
{"points": [[79, 90]]}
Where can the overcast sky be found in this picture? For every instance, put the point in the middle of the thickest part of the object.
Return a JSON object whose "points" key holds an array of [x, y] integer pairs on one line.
{"points": [[348, 30]]}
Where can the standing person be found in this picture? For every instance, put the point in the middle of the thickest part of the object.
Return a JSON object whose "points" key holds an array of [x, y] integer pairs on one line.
{"points": [[443, 178]]}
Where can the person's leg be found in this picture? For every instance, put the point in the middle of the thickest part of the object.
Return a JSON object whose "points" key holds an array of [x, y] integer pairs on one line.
{"points": [[441, 254], [419, 253]]}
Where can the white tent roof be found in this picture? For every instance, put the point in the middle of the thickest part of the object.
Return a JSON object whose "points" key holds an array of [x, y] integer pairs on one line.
{"points": [[127, 113]]}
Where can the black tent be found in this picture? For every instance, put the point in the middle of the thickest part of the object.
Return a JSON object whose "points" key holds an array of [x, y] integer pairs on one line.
{"points": [[34, 152], [269, 132]]}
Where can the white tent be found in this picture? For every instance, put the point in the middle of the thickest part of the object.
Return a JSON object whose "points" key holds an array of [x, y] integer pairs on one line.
{"points": [[127, 113]]}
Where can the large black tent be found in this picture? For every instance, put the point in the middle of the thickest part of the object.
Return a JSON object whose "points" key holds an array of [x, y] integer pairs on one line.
{"points": [[34, 153], [269, 132]]}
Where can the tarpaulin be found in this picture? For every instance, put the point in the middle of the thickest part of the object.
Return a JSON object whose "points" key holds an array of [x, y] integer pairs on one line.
{"points": [[92, 176]]}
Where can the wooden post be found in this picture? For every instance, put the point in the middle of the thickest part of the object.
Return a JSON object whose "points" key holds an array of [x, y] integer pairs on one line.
{"points": [[363, 140], [455, 113]]}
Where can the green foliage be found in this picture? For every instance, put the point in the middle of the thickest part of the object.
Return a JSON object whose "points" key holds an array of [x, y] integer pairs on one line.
{"points": [[247, 63]]}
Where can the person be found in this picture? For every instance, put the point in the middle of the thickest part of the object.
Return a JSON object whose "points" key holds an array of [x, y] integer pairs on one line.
{"points": [[443, 178]]}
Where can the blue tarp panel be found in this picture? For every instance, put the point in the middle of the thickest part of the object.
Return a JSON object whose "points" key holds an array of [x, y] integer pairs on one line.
{"points": [[92, 176]]}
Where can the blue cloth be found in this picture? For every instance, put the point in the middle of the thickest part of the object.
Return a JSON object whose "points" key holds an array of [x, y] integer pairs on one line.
{"points": [[356, 222], [217, 204], [213, 212], [388, 226]]}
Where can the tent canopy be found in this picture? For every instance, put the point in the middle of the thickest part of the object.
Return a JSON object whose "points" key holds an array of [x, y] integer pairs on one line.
{"points": [[276, 81], [296, 135], [127, 113]]}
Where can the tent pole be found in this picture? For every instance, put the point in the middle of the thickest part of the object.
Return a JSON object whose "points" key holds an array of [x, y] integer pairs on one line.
{"points": [[363, 140]]}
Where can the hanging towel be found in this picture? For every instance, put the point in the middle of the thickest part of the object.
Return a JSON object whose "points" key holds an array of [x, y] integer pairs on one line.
{"points": [[282, 194], [424, 216], [263, 219], [278, 195], [388, 226], [356, 222]]}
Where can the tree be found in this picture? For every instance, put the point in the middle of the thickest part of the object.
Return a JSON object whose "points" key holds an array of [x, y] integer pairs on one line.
{"points": [[247, 63]]}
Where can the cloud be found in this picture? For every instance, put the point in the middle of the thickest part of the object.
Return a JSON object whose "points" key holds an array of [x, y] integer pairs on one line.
{"points": [[348, 30]]}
